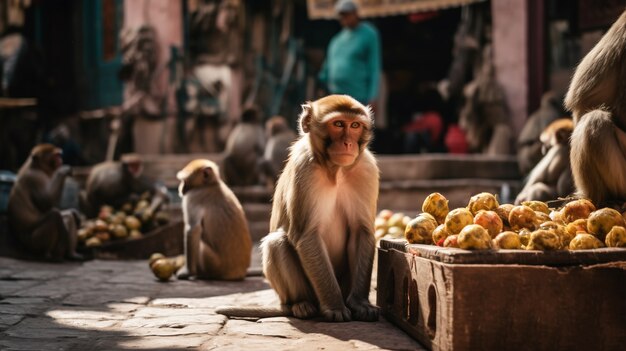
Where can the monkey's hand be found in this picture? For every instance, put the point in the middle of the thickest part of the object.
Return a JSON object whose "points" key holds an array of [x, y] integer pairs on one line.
{"points": [[362, 310], [342, 314]]}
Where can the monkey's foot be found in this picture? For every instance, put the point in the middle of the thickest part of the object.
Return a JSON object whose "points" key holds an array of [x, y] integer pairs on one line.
{"points": [[338, 315], [303, 310], [363, 311], [76, 257], [183, 274]]}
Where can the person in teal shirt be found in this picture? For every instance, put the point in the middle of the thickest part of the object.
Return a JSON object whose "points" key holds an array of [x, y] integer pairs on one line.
{"points": [[353, 60]]}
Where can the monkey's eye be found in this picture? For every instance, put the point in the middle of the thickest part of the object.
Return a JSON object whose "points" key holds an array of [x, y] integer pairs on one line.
{"points": [[355, 125], [338, 124]]}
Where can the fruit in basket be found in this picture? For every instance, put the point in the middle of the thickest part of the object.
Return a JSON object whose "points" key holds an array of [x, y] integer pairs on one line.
{"points": [[93, 242], [84, 234], [524, 236], [135, 234], [577, 226], [385, 214], [395, 232], [100, 226], [474, 237], [584, 241], [543, 240], [396, 220], [560, 230], [103, 236], [542, 217], [616, 237], [119, 231], [380, 224], [601, 222], [537, 206], [163, 269], [522, 217], [437, 205], [490, 221], [482, 201], [451, 241], [132, 222], [577, 209], [420, 230], [105, 212], [457, 219], [508, 241], [141, 205], [503, 212], [557, 216], [117, 218], [440, 234]]}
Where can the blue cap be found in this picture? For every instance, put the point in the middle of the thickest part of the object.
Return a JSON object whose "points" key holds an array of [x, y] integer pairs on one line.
{"points": [[344, 6]]}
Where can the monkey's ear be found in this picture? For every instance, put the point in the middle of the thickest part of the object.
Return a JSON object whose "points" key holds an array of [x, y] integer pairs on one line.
{"points": [[209, 176], [305, 118]]}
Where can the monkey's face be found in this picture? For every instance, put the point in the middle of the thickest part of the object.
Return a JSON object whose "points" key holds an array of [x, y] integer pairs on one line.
{"points": [[343, 143], [47, 157]]}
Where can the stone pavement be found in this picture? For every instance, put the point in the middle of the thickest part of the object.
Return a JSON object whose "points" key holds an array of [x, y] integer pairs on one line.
{"points": [[119, 305]]}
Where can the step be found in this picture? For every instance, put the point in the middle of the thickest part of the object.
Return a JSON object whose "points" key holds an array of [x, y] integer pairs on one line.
{"points": [[447, 166]]}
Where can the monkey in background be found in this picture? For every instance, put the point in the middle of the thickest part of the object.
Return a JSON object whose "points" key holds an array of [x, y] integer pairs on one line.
{"points": [[279, 138], [597, 100], [319, 254], [113, 183], [34, 216], [552, 176], [244, 149], [217, 239]]}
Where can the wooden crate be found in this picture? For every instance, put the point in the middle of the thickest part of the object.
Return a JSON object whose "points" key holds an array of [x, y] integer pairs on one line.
{"points": [[452, 299]]}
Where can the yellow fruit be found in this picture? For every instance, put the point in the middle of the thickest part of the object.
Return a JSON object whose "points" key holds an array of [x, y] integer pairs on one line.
{"points": [[522, 217], [584, 241], [508, 241], [474, 237], [119, 231], [395, 220], [163, 269], [155, 256], [395, 232], [420, 230], [503, 212], [440, 234], [142, 204], [437, 205], [542, 217], [577, 209], [385, 214], [557, 216], [490, 221], [560, 230], [380, 224], [601, 222], [482, 201], [537, 206], [103, 236], [524, 236], [100, 226], [543, 240], [84, 234], [577, 226], [616, 237], [135, 234], [451, 241], [93, 242], [132, 222], [457, 219]]}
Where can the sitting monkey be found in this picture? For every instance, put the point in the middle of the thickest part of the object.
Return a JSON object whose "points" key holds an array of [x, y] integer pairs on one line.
{"points": [[217, 239], [319, 254], [34, 216]]}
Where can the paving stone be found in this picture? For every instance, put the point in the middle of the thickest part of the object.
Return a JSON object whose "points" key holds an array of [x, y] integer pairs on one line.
{"points": [[45, 328], [207, 329], [100, 298], [174, 321], [155, 343], [175, 310], [75, 313], [9, 319], [11, 287], [19, 344]]}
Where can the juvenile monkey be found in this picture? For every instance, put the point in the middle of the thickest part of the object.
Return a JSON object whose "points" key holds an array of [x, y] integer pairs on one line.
{"points": [[597, 99], [244, 150], [319, 254], [552, 176], [217, 239], [33, 214], [112, 183], [279, 138]]}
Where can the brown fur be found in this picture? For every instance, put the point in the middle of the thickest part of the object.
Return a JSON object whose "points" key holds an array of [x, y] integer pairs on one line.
{"points": [[217, 239], [597, 99], [319, 255]]}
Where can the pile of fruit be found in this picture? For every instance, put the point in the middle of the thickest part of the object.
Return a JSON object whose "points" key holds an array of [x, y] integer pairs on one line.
{"points": [[128, 222], [165, 267], [485, 224]]}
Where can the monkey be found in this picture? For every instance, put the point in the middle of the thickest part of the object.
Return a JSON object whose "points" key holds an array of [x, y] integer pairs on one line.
{"points": [[597, 100], [34, 218], [114, 183], [217, 238], [279, 138], [244, 149], [319, 254], [552, 176]]}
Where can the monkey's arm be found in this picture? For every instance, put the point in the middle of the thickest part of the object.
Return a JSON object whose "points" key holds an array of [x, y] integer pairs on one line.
{"points": [[45, 193], [318, 269], [361, 259]]}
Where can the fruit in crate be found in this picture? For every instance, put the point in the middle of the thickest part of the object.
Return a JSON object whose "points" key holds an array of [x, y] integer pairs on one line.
{"points": [[436, 205]]}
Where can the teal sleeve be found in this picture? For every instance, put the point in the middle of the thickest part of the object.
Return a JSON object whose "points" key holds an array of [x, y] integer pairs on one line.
{"points": [[375, 66]]}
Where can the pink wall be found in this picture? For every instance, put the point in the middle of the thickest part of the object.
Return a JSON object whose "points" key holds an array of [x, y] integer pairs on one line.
{"points": [[166, 16], [510, 38]]}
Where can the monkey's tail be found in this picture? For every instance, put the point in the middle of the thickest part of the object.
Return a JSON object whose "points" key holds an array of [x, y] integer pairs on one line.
{"points": [[254, 312]]}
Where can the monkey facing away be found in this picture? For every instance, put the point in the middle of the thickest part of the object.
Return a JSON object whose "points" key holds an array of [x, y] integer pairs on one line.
{"points": [[552, 176], [244, 150], [279, 138], [597, 99], [217, 239], [319, 254], [34, 216]]}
